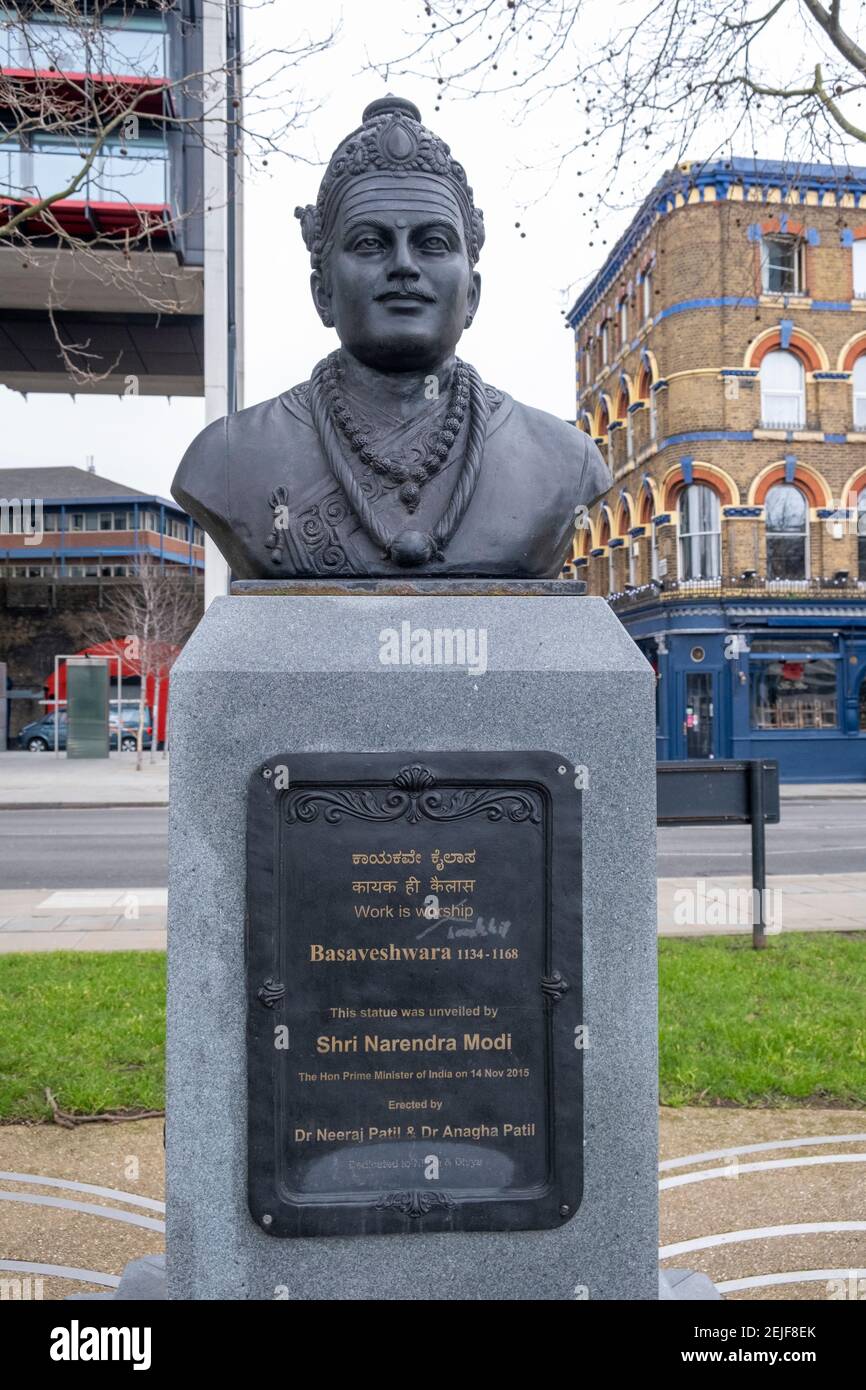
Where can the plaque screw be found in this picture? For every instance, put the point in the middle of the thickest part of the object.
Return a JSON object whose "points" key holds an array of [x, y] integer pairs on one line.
{"points": [[564, 1209], [562, 770], [266, 772], [267, 1220]]}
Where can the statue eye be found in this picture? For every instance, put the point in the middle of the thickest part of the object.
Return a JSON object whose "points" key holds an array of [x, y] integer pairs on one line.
{"points": [[435, 242], [370, 242]]}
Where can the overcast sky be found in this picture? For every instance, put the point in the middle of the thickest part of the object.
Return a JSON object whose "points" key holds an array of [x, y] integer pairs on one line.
{"points": [[518, 341]]}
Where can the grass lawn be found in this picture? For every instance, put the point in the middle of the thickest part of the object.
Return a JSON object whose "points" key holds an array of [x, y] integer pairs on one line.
{"points": [[88, 1025], [778, 1027]]}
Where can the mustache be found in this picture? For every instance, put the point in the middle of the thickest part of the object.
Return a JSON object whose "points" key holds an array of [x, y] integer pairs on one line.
{"points": [[406, 291]]}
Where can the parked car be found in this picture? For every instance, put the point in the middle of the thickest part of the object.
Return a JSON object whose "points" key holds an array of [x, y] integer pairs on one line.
{"points": [[38, 737]]}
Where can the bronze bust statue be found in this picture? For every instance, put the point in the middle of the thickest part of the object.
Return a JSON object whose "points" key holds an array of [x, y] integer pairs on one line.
{"points": [[394, 457]]}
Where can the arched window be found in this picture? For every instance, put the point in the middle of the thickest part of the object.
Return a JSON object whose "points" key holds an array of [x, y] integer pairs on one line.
{"points": [[858, 257], [700, 535], [861, 535], [646, 393], [783, 391], [622, 314], [633, 557], [622, 414], [604, 540], [787, 522], [858, 377], [647, 293]]}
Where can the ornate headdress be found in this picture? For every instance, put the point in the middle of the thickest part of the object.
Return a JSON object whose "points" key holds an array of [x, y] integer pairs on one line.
{"points": [[391, 139]]}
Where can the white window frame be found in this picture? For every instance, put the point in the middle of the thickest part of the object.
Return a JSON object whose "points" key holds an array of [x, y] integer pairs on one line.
{"points": [[805, 533], [793, 243], [768, 394], [683, 537], [623, 321], [858, 389], [647, 293], [858, 268]]}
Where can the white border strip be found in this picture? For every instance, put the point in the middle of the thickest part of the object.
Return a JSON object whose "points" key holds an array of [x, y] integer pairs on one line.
{"points": [[131, 1200], [797, 1276], [89, 1276], [35, 1199], [804, 1228], [736, 1170], [761, 1148]]}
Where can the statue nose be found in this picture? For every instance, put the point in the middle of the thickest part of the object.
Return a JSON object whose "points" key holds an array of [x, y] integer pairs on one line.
{"points": [[403, 265]]}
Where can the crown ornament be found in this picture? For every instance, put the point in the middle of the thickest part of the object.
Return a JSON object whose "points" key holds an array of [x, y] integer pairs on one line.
{"points": [[390, 139]]}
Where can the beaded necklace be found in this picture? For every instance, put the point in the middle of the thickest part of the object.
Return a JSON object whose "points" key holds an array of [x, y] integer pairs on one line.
{"points": [[411, 477], [408, 548]]}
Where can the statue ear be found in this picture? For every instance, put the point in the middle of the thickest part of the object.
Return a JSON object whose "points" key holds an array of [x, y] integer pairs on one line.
{"points": [[473, 298], [321, 298]]}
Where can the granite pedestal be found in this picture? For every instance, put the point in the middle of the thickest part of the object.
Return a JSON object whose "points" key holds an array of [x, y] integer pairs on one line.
{"points": [[266, 675]]}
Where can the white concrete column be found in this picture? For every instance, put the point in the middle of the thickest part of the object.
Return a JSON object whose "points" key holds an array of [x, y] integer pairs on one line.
{"points": [[215, 192]]}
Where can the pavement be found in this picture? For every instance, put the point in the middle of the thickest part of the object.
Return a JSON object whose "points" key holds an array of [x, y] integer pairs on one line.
{"points": [[39, 780], [94, 919], [792, 902], [111, 919], [833, 791], [768, 1203]]}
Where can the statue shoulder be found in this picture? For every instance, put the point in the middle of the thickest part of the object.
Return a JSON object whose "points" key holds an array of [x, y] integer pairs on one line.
{"points": [[234, 448], [201, 483], [570, 450]]}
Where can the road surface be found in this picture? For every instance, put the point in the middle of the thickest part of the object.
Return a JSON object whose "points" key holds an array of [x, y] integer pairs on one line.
{"points": [[122, 848]]}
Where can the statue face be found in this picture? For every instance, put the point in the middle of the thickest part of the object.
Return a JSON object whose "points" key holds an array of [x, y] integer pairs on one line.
{"points": [[397, 285]]}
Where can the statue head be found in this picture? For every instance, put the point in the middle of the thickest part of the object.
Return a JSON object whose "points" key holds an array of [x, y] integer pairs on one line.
{"points": [[394, 237]]}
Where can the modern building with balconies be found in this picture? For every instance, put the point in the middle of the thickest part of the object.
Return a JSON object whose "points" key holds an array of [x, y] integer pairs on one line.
{"points": [[114, 267], [721, 367]]}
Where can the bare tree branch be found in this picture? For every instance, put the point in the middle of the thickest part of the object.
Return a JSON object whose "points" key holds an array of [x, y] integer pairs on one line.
{"points": [[655, 82], [56, 81]]}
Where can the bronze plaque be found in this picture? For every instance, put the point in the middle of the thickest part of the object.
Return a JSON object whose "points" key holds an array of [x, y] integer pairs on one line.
{"points": [[415, 1035]]}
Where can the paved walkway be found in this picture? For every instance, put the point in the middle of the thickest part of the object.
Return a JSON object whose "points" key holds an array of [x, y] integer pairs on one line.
{"points": [[134, 918], [816, 791], [792, 902], [108, 919], [766, 1202], [41, 780]]}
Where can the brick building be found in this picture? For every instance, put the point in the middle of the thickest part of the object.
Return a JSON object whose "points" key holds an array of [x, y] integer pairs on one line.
{"points": [[68, 538], [721, 366]]}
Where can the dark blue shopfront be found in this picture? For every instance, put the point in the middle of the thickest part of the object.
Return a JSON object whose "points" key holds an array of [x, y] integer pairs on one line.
{"points": [[750, 679]]}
